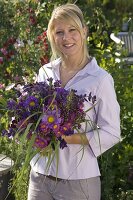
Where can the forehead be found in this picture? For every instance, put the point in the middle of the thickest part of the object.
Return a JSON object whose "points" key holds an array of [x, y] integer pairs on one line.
{"points": [[61, 24]]}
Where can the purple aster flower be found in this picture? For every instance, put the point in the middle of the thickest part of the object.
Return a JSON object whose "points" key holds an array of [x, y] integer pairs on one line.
{"points": [[51, 117], [11, 105], [31, 102]]}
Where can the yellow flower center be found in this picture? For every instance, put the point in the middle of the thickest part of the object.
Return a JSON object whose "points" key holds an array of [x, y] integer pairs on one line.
{"points": [[51, 119], [32, 103], [41, 143], [65, 128], [59, 132], [55, 126], [43, 126]]}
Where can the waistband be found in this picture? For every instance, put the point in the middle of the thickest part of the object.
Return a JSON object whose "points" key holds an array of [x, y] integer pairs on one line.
{"points": [[54, 178]]}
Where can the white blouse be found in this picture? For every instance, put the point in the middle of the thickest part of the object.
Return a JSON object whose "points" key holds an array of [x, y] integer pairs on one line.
{"points": [[74, 162]]}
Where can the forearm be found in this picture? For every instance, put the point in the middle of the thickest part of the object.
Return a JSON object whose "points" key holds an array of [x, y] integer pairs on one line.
{"points": [[77, 138]]}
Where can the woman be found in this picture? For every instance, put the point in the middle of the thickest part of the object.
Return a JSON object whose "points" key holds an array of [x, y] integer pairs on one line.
{"points": [[72, 64]]}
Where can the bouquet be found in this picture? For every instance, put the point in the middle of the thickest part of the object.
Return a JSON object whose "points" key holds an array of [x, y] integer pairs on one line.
{"points": [[41, 113]]}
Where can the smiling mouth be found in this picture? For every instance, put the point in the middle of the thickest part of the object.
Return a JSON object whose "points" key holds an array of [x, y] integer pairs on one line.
{"points": [[68, 45]]}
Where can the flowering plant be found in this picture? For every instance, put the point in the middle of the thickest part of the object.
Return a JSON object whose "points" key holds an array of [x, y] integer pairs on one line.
{"points": [[41, 113]]}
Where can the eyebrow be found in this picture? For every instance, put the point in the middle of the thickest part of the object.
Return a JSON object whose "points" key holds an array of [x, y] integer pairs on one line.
{"points": [[71, 26]]}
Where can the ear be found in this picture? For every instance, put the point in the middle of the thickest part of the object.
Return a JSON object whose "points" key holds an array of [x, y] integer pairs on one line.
{"points": [[85, 31]]}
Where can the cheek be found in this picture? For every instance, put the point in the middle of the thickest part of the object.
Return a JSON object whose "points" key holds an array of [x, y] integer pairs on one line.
{"points": [[58, 43], [77, 37], [57, 40]]}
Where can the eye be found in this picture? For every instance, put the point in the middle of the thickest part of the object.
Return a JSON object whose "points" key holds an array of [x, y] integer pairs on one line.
{"points": [[59, 32], [72, 29]]}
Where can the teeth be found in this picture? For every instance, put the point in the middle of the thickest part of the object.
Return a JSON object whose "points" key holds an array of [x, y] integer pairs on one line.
{"points": [[68, 45]]}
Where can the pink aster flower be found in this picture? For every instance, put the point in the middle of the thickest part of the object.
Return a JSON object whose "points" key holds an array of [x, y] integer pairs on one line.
{"points": [[66, 129], [41, 142], [59, 133], [43, 128]]}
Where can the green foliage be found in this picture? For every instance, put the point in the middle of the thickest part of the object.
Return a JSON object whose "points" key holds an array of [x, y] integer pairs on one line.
{"points": [[22, 29]]}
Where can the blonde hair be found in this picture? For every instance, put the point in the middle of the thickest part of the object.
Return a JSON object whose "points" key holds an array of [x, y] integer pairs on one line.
{"points": [[73, 14]]}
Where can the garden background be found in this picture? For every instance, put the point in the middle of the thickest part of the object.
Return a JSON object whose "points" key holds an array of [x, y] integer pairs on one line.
{"points": [[24, 49]]}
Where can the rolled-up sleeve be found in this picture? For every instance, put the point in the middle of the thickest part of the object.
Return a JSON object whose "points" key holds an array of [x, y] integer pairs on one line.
{"points": [[107, 119]]}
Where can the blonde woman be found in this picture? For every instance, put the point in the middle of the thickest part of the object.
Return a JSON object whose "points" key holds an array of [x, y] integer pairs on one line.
{"points": [[72, 64]]}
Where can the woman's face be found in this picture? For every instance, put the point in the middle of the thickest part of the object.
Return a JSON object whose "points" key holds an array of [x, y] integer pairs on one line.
{"points": [[68, 39]]}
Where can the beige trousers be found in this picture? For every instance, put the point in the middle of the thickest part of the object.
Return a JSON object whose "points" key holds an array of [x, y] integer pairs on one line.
{"points": [[45, 188]]}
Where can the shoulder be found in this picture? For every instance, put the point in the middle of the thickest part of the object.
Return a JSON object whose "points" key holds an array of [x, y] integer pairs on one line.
{"points": [[46, 70], [100, 77], [103, 76], [95, 70], [49, 66], [105, 84]]}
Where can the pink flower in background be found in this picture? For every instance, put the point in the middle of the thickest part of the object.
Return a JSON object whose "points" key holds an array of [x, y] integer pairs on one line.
{"points": [[17, 78], [4, 51], [44, 60], [2, 85], [1, 60]]}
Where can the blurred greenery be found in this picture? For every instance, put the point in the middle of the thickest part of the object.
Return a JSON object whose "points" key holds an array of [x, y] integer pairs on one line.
{"points": [[24, 49]]}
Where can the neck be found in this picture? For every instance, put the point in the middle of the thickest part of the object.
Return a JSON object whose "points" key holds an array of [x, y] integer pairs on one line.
{"points": [[74, 64]]}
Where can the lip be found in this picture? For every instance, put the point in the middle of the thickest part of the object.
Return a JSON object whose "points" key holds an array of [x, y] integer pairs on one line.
{"points": [[68, 45]]}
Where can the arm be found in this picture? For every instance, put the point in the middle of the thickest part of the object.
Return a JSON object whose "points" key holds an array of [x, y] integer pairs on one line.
{"points": [[77, 138], [107, 119]]}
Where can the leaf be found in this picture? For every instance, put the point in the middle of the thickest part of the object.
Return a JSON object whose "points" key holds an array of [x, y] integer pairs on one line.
{"points": [[3, 101]]}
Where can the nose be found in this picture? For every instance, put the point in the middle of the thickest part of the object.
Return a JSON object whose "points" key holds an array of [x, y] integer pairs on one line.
{"points": [[65, 36]]}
